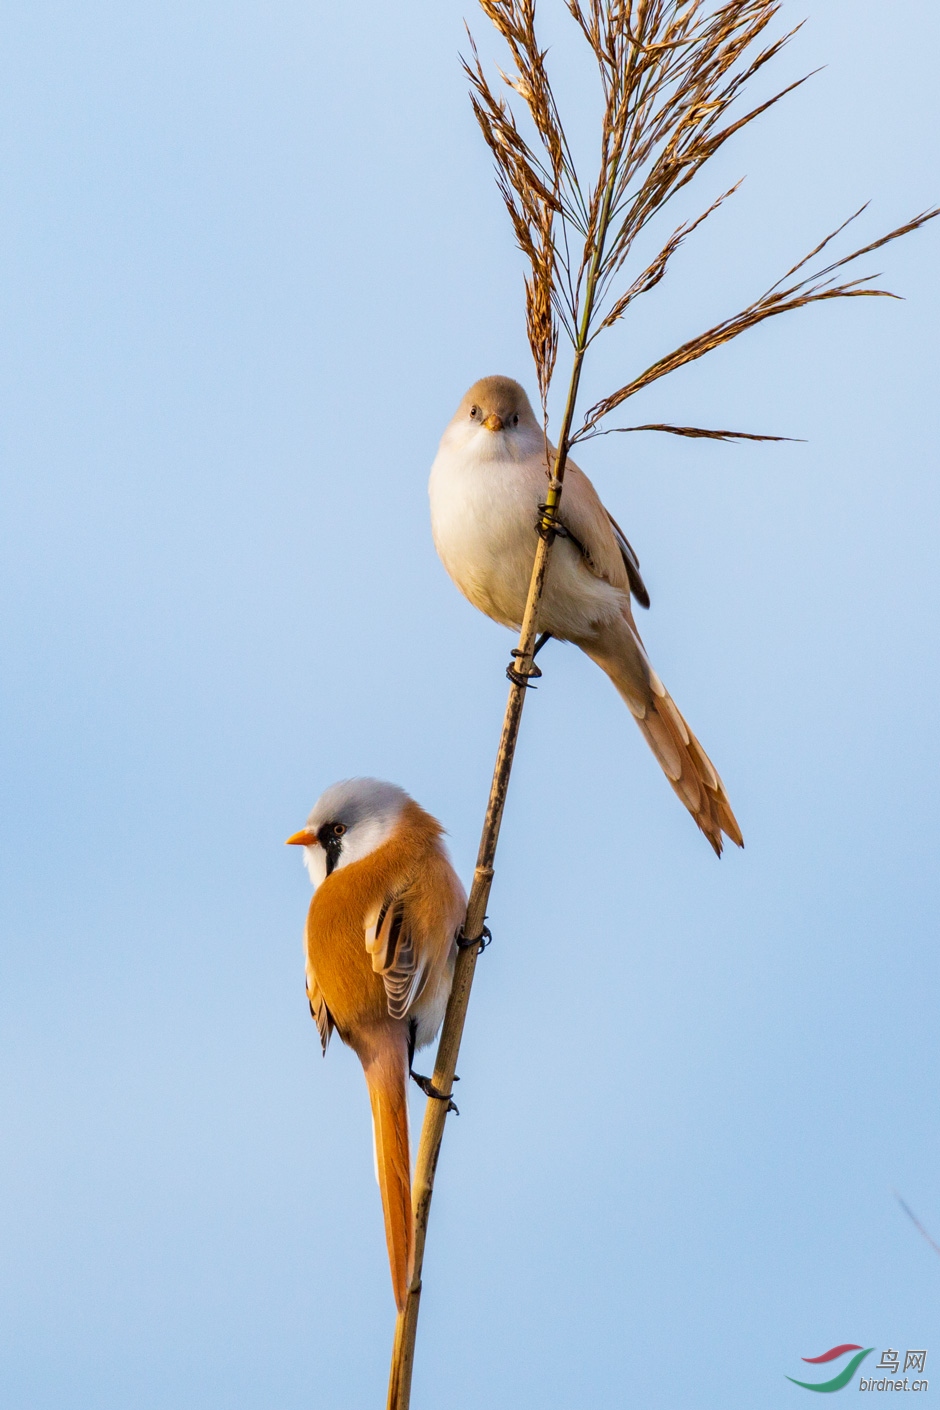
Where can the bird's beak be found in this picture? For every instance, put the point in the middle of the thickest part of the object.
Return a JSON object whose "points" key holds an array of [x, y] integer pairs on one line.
{"points": [[493, 422], [304, 838]]}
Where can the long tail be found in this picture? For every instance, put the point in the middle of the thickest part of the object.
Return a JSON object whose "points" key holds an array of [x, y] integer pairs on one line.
{"points": [[683, 760], [387, 1078]]}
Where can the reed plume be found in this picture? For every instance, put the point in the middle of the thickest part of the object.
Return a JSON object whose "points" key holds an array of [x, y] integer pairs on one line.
{"points": [[673, 74]]}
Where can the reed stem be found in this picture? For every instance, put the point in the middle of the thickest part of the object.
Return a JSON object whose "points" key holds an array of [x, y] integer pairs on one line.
{"points": [[435, 1116]]}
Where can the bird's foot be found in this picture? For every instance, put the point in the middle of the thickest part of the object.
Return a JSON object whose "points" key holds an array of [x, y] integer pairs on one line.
{"points": [[465, 943], [523, 678], [548, 526], [429, 1090]]}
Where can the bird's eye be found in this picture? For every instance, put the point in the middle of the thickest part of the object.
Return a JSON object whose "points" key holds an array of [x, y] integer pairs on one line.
{"points": [[515, 419], [339, 829], [474, 412]]}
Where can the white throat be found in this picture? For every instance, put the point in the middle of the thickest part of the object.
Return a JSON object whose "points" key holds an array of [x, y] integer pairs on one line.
{"points": [[315, 862]]}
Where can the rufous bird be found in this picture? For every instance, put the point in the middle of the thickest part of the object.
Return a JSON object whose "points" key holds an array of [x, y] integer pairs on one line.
{"points": [[487, 482], [381, 945]]}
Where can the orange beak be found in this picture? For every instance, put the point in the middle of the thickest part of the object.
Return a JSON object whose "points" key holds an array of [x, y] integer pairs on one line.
{"points": [[304, 838], [493, 422]]}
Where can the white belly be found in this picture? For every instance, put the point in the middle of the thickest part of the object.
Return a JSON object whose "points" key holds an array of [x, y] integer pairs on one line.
{"points": [[483, 516], [477, 516]]}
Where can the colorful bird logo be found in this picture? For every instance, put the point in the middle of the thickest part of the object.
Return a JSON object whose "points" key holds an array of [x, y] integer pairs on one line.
{"points": [[840, 1381]]}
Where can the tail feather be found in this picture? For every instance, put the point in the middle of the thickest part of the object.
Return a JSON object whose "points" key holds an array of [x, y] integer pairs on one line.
{"points": [[387, 1078], [683, 760], [696, 781]]}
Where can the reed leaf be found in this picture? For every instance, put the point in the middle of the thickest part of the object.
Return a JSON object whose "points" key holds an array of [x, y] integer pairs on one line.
{"points": [[692, 432]]}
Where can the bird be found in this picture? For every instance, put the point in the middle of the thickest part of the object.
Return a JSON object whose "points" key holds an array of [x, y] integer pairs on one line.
{"points": [[487, 481], [381, 946]]}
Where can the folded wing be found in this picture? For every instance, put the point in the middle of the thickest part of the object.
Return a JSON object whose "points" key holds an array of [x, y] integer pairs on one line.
{"points": [[319, 1011], [391, 944], [604, 546]]}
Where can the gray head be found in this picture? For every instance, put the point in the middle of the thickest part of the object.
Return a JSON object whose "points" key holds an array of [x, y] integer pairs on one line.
{"points": [[350, 820]]}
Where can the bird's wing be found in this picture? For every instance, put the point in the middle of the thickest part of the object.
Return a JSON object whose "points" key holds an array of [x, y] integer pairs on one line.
{"points": [[630, 562], [319, 1011], [390, 943], [604, 546]]}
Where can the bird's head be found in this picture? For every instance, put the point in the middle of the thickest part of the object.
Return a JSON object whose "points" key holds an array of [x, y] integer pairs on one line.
{"points": [[496, 421], [348, 821]]}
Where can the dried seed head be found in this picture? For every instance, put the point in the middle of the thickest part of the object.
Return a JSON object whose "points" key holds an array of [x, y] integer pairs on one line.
{"points": [[670, 71]]}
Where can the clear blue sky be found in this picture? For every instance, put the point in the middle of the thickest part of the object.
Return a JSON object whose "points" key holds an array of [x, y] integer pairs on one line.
{"points": [[252, 255]]}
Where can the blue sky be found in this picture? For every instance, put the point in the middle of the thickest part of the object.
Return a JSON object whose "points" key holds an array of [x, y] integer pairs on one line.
{"points": [[252, 255]]}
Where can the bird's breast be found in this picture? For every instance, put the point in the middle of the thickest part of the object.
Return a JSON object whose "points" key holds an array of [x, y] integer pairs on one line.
{"points": [[483, 515], [337, 955]]}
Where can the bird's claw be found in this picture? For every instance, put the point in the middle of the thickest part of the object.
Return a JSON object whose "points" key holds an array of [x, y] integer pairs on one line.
{"points": [[464, 942], [429, 1090], [523, 678], [547, 526]]}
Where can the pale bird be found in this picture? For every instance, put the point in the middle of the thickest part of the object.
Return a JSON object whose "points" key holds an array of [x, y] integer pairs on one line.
{"points": [[487, 481], [381, 931]]}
